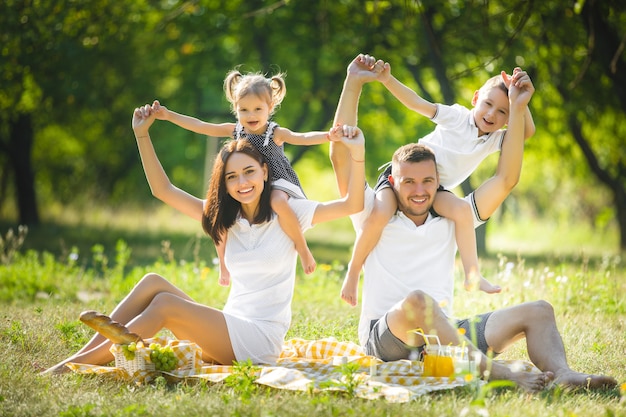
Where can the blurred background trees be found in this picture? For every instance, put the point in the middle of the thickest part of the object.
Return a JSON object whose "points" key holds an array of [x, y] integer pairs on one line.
{"points": [[71, 73]]}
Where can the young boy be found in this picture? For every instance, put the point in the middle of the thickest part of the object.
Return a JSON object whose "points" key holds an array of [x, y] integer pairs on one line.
{"points": [[462, 139]]}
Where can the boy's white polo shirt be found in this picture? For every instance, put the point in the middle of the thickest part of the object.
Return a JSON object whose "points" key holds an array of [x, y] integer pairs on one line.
{"points": [[458, 148]]}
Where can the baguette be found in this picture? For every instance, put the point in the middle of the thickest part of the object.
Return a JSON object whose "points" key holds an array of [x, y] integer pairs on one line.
{"points": [[112, 330]]}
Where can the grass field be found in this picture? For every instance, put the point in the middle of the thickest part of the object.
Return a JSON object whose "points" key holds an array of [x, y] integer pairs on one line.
{"points": [[82, 264]]}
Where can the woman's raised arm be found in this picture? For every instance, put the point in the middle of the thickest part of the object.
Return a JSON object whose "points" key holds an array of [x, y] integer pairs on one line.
{"points": [[159, 183]]}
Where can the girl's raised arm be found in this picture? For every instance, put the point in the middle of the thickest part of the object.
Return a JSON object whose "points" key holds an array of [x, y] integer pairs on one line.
{"points": [[218, 130]]}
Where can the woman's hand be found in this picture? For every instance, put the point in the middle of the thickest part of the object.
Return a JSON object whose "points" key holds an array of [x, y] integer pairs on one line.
{"points": [[143, 117]]}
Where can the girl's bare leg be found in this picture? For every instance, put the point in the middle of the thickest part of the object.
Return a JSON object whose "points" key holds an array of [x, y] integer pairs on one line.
{"points": [[385, 206], [291, 226], [458, 210]]}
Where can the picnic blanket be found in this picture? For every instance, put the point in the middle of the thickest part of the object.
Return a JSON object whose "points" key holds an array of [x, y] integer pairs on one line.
{"points": [[311, 366]]}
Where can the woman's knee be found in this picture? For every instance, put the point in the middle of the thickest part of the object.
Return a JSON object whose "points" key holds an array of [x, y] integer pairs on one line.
{"points": [[162, 305], [151, 280], [150, 285]]}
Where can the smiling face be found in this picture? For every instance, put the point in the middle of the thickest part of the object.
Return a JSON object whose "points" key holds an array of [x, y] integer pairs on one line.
{"points": [[245, 179], [253, 112], [415, 185], [491, 110]]}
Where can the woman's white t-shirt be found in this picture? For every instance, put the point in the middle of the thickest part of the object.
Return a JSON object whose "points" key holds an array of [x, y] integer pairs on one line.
{"points": [[261, 259]]}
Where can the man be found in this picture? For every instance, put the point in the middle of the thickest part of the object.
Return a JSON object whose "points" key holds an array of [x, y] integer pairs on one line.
{"points": [[408, 277]]}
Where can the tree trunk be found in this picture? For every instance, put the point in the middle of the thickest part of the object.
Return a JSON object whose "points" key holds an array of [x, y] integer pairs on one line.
{"points": [[19, 150]]}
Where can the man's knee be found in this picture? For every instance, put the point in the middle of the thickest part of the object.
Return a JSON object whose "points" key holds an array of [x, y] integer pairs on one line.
{"points": [[542, 310], [418, 305]]}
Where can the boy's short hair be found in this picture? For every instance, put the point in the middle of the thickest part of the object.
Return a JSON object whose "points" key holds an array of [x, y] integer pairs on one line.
{"points": [[494, 82]]}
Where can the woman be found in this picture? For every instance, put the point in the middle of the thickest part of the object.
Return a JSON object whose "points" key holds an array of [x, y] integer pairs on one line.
{"points": [[260, 256]]}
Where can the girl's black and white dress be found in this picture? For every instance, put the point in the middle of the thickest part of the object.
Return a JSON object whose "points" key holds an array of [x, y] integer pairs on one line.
{"points": [[284, 178]]}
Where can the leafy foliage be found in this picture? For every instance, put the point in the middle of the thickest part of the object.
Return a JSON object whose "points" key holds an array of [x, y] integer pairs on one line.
{"points": [[79, 71]]}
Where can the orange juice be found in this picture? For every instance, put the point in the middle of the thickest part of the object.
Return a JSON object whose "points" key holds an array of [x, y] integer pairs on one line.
{"points": [[430, 364], [438, 362], [445, 366]]}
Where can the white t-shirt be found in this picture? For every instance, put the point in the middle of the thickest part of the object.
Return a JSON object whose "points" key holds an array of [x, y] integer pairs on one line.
{"points": [[261, 259], [457, 146], [406, 258]]}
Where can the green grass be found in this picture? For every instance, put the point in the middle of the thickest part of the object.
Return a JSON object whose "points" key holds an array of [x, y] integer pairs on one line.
{"points": [[48, 283]]}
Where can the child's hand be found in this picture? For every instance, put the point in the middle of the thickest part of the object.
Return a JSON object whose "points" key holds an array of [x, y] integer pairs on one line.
{"points": [[520, 86], [343, 131], [349, 290], [160, 112], [335, 133]]}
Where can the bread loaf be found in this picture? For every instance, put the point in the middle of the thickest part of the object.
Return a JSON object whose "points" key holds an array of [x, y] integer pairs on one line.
{"points": [[112, 330]]}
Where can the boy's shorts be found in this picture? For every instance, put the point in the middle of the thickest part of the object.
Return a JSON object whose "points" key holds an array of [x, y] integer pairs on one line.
{"points": [[387, 347]]}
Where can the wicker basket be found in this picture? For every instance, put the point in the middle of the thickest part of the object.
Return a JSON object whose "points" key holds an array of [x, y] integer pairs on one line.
{"points": [[184, 351], [141, 362]]}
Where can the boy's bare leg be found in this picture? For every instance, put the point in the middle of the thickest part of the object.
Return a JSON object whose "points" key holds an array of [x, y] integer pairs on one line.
{"points": [[220, 248], [289, 223], [385, 206], [458, 210]]}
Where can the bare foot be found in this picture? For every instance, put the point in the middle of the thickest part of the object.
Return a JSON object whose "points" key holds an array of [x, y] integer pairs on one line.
{"points": [[57, 369], [577, 380], [482, 284], [488, 287], [307, 261], [529, 381]]}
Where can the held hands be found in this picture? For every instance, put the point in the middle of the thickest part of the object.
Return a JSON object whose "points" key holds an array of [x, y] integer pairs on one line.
{"points": [[352, 137], [366, 68], [520, 86]]}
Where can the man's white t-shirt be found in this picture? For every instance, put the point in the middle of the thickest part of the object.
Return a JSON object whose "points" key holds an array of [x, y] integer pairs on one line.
{"points": [[406, 258], [456, 144]]}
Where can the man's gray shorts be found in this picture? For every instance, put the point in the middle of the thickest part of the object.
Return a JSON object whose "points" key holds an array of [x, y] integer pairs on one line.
{"points": [[384, 345]]}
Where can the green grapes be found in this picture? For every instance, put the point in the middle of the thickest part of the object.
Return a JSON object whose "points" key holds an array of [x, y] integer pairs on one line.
{"points": [[163, 357], [129, 351]]}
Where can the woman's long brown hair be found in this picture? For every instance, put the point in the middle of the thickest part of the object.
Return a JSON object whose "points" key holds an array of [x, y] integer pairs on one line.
{"points": [[221, 210]]}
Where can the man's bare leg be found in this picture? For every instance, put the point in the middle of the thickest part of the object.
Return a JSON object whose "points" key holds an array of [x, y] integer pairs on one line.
{"points": [[536, 321], [419, 310]]}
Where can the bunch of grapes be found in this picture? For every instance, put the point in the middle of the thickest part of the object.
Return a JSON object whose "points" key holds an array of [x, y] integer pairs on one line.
{"points": [[162, 357], [129, 350]]}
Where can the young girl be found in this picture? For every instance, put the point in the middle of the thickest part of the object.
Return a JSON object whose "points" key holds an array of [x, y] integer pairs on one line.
{"points": [[461, 140], [254, 99]]}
